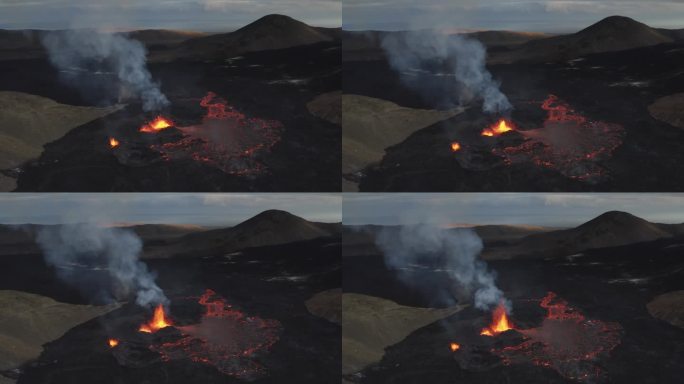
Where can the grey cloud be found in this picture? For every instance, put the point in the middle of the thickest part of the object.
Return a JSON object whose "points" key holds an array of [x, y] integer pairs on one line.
{"points": [[205, 15], [171, 208], [553, 209], [551, 15]]}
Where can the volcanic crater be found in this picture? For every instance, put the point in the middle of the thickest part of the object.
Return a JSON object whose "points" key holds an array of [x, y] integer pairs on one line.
{"points": [[239, 116], [582, 120], [573, 315]]}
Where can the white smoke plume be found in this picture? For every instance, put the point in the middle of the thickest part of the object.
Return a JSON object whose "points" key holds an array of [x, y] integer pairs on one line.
{"points": [[84, 50], [79, 250], [465, 58], [455, 251]]}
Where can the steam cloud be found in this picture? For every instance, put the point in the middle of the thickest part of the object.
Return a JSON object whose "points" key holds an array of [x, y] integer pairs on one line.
{"points": [[412, 52], [83, 50], [454, 250], [80, 253]]}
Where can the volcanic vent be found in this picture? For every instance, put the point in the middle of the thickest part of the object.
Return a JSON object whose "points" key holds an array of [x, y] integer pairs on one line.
{"points": [[225, 139], [565, 341], [224, 338], [568, 142]]}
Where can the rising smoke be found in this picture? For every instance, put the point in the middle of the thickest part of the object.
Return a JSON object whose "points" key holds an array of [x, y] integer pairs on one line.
{"points": [[454, 251], [82, 253], [413, 54], [81, 51]]}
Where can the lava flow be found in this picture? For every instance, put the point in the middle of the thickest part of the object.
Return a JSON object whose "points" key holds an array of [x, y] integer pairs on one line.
{"points": [[226, 139], [568, 142], [500, 322], [565, 341], [156, 125], [497, 129], [158, 322], [113, 143], [225, 338]]}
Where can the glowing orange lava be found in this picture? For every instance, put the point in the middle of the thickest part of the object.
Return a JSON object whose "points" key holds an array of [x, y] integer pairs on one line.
{"points": [[454, 347], [455, 146], [500, 322], [156, 125], [498, 129], [158, 322], [113, 143], [113, 343]]}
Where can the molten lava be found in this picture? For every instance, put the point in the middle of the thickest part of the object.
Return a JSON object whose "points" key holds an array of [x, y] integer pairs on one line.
{"points": [[113, 343], [113, 143], [500, 322], [454, 347], [497, 129], [156, 125], [158, 322], [565, 341], [226, 139], [455, 146], [569, 143], [225, 338]]}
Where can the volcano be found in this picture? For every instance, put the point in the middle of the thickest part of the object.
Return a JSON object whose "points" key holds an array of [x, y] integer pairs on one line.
{"points": [[610, 229], [570, 317], [267, 33], [614, 33], [274, 142], [580, 116], [272, 227], [262, 308]]}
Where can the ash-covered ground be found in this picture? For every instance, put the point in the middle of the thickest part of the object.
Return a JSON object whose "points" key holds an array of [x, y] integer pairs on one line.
{"points": [[614, 89], [252, 326], [594, 328]]}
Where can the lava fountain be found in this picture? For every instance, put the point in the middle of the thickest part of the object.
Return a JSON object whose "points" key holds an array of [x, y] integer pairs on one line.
{"points": [[113, 143], [225, 338], [566, 341], [497, 129], [455, 146], [454, 347], [226, 139], [113, 343], [158, 321], [568, 142], [156, 125], [500, 322]]}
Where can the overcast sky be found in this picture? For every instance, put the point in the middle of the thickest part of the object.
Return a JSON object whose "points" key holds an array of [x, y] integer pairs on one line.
{"points": [[199, 15], [544, 16], [201, 209], [558, 210]]}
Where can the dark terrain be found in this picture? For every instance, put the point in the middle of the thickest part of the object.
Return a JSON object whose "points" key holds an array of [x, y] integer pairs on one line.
{"points": [[613, 87], [269, 283], [273, 84], [607, 286]]}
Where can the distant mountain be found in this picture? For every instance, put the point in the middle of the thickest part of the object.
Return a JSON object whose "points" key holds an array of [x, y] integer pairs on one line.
{"points": [[506, 38], [26, 43], [163, 36], [360, 240], [271, 227], [268, 33], [21, 44], [367, 45], [614, 33], [153, 232], [610, 229], [498, 233]]}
